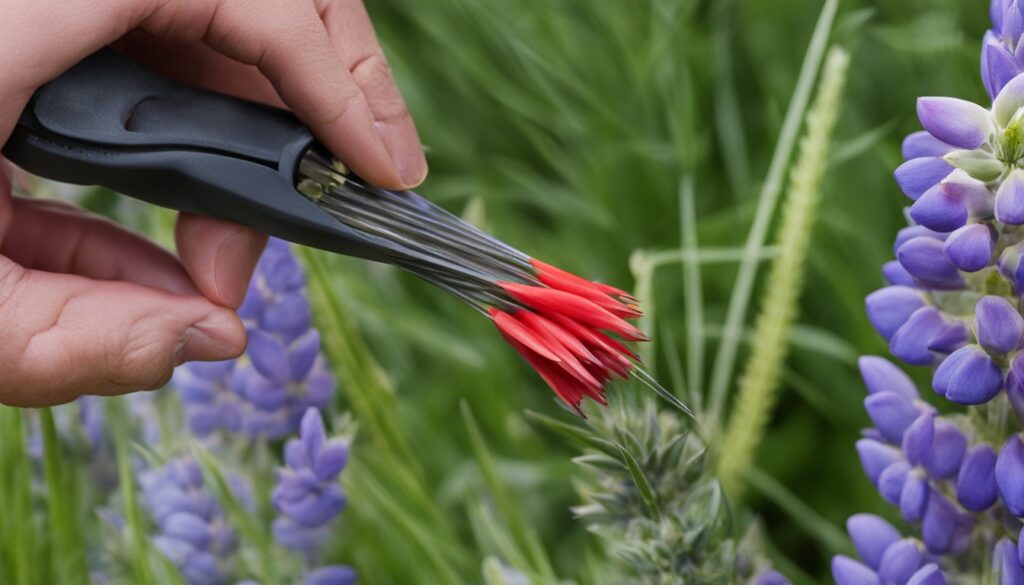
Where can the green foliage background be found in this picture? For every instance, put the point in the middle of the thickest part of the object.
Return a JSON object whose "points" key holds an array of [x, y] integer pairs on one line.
{"points": [[567, 127]]}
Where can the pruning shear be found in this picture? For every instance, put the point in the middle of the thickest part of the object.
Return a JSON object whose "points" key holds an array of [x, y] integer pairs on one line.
{"points": [[107, 121]]}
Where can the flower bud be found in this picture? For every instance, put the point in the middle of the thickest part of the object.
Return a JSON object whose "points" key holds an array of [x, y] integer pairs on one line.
{"points": [[968, 376], [1010, 99], [956, 122], [952, 337], [914, 498], [927, 575], [892, 480], [875, 456], [913, 231], [937, 210], [847, 571], [921, 174], [1010, 199], [892, 413], [924, 259], [1010, 475], [976, 487], [881, 375], [917, 439], [900, 561], [939, 524], [1006, 563], [998, 66], [999, 325], [889, 308], [947, 451], [871, 536], [922, 144], [970, 247], [895, 274], [910, 342]]}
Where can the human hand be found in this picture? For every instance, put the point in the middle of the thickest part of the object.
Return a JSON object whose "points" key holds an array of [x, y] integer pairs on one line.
{"points": [[88, 307]]}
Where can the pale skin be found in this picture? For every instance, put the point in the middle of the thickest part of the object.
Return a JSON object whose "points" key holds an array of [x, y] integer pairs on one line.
{"points": [[87, 307]]}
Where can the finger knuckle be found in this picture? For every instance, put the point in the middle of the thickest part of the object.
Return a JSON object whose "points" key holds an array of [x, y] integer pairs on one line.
{"points": [[373, 74], [145, 356]]}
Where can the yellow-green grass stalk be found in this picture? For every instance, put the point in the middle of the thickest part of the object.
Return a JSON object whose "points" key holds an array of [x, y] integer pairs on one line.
{"points": [[759, 384]]}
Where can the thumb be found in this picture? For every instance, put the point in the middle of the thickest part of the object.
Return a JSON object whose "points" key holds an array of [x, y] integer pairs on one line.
{"points": [[65, 336]]}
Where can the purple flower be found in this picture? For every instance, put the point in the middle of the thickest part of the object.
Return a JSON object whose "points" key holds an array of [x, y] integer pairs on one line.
{"points": [[1000, 326], [333, 575], [912, 341], [1010, 199], [976, 487], [1007, 563], [924, 258], [918, 175], [889, 308], [968, 376], [1011, 268], [970, 248], [956, 122], [885, 558], [282, 373], [1010, 475], [308, 496], [881, 375], [193, 533], [922, 144]]}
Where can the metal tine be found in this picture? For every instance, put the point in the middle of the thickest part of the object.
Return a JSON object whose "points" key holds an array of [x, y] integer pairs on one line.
{"points": [[400, 201], [465, 232], [499, 266]]}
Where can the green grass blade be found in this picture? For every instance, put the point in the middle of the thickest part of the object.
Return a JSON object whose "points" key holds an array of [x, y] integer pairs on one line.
{"points": [[743, 288], [693, 299], [61, 507], [759, 383], [20, 553]]}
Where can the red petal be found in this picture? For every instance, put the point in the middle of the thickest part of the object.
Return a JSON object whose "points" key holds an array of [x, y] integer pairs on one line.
{"points": [[508, 325], [565, 275], [569, 363], [568, 340], [594, 339], [557, 302], [568, 282]]}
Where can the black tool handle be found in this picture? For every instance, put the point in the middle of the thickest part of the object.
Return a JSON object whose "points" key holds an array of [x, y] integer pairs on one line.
{"points": [[110, 122]]}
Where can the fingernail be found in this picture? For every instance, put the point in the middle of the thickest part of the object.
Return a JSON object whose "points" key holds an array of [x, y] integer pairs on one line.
{"points": [[412, 169], [220, 336]]}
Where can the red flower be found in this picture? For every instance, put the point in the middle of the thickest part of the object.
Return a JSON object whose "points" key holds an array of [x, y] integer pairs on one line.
{"points": [[559, 327]]}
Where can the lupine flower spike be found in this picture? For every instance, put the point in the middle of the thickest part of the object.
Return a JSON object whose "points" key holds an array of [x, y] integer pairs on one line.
{"points": [[571, 330]]}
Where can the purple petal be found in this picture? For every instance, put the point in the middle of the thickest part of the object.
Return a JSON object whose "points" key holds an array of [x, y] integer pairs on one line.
{"points": [[947, 451], [910, 342], [998, 68], [957, 122], [331, 460], [892, 413], [1010, 475], [871, 535], [927, 575], [975, 378], [913, 231], [922, 144], [875, 456], [881, 375], [895, 274], [917, 439], [970, 247], [914, 498], [770, 577], [976, 487], [302, 353], [847, 571], [312, 432], [1006, 563], [1010, 199], [296, 537], [924, 258], [187, 527], [889, 308], [333, 575], [999, 325], [900, 562], [939, 211], [268, 356], [1011, 268], [939, 525], [921, 174], [950, 338], [288, 316], [891, 482]]}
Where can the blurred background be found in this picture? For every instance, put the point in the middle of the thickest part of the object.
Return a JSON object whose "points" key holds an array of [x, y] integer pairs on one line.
{"points": [[569, 128]]}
